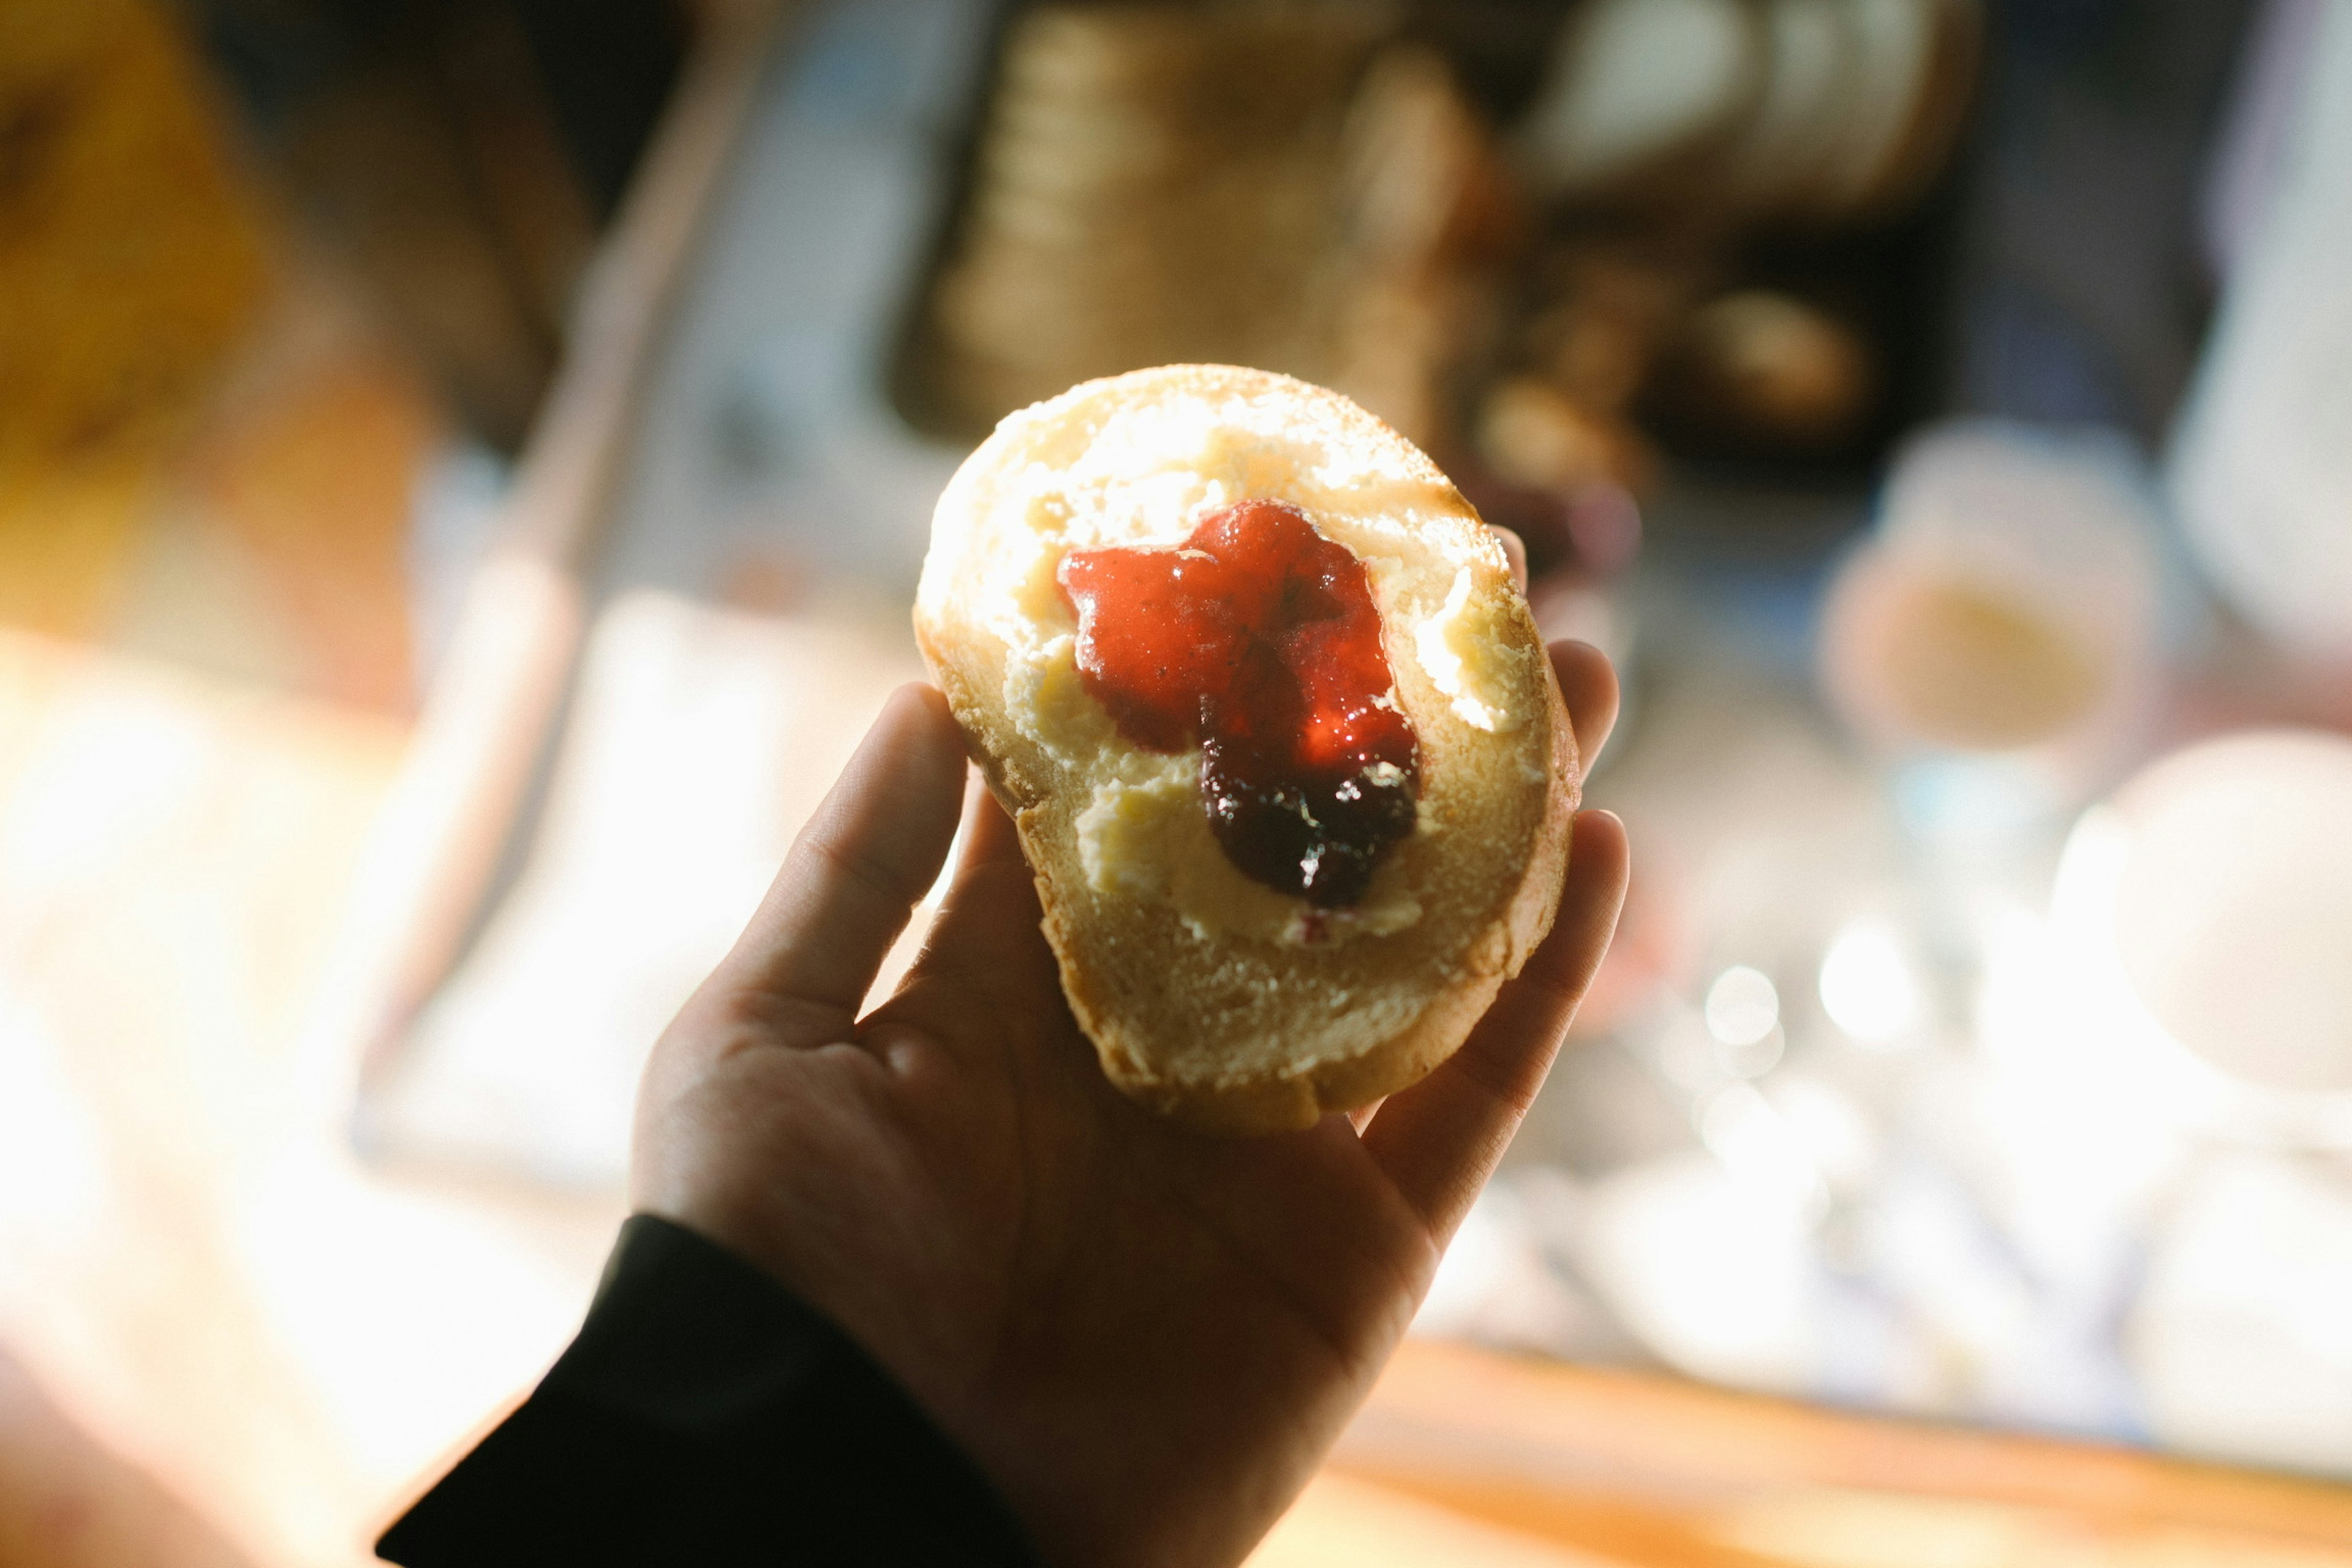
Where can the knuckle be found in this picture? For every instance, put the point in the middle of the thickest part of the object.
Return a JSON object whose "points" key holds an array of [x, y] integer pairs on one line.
{"points": [[862, 867]]}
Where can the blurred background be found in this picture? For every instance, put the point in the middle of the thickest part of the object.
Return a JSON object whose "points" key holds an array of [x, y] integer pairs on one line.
{"points": [[463, 468]]}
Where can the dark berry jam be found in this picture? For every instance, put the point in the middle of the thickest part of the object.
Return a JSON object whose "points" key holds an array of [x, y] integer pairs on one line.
{"points": [[1257, 639]]}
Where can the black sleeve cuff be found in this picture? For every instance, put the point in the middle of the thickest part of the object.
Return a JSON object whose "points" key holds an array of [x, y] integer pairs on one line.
{"points": [[704, 1415]]}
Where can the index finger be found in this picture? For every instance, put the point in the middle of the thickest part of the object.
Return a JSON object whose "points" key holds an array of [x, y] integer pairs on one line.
{"points": [[855, 874], [1440, 1139], [1515, 551], [1588, 685]]}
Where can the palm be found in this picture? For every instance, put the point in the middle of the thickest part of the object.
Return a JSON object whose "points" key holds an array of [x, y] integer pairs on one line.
{"points": [[1147, 1338]]}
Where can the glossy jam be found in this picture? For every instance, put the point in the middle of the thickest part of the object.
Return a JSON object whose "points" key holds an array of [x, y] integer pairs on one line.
{"points": [[1257, 639]]}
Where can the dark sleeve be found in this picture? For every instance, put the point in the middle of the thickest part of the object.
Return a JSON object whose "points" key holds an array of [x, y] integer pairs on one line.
{"points": [[706, 1416]]}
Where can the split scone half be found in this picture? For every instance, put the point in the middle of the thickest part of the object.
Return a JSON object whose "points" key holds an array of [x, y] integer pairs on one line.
{"points": [[1281, 739]]}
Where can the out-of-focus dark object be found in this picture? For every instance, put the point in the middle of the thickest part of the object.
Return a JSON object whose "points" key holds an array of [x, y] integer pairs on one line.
{"points": [[132, 260], [1608, 303], [1429, 220], [1532, 435], [461, 156], [2080, 294], [1761, 370], [131, 255]]}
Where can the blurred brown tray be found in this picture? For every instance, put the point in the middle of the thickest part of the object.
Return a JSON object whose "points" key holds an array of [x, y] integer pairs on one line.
{"points": [[1638, 1469]]}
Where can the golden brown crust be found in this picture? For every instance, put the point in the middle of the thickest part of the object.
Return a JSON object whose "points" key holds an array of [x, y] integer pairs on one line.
{"points": [[1232, 1033], [1274, 1104]]}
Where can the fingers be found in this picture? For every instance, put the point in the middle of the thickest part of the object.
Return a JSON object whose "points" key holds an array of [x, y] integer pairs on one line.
{"points": [[990, 838], [1587, 682], [1515, 550], [855, 874], [1588, 685], [1439, 1140], [988, 923]]}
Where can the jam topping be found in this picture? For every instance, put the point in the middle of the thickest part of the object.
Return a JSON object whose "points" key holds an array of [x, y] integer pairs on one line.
{"points": [[1256, 638]]}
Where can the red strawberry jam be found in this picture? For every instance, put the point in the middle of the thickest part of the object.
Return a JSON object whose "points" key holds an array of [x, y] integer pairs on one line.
{"points": [[1257, 639]]}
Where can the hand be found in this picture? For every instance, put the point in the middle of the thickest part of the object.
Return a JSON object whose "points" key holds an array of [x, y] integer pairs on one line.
{"points": [[1147, 1339]]}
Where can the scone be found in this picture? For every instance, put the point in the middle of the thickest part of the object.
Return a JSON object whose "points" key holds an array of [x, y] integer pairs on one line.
{"points": [[1278, 731]]}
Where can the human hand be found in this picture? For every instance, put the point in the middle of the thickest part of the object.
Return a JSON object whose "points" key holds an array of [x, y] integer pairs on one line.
{"points": [[1145, 1338]]}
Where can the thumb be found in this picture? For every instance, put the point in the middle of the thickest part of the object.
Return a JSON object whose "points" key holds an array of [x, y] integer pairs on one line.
{"points": [[854, 876]]}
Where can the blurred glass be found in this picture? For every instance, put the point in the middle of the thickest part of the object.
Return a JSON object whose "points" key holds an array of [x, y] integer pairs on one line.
{"points": [[2206, 913], [2002, 612]]}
